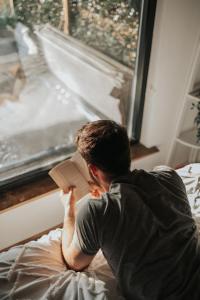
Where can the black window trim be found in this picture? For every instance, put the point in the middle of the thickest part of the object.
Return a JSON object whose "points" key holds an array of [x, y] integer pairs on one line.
{"points": [[142, 66]]}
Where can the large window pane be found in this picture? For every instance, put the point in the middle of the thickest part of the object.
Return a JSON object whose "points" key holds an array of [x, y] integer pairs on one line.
{"points": [[62, 64]]}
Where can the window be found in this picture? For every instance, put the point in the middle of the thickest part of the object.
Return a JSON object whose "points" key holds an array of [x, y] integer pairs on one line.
{"points": [[108, 26], [62, 64]]}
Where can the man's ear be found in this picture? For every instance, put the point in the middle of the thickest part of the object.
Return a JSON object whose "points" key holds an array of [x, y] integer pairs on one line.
{"points": [[93, 169]]}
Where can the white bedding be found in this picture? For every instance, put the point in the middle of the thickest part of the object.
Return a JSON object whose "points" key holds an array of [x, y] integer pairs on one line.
{"points": [[37, 270], [190, 175]]}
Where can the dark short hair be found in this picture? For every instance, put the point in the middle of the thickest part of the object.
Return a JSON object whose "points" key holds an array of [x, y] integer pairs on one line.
{"points": [[105, 144]]}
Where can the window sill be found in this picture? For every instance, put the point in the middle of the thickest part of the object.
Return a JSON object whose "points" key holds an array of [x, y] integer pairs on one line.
{"points": [[25, 192]]}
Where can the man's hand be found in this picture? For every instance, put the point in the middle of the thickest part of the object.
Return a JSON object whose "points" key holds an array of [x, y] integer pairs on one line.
{"points": [[68, 200], [95, 190]]}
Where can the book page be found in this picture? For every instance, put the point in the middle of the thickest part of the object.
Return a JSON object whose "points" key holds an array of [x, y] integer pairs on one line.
{"points": [[66, 174], [81, 165]]}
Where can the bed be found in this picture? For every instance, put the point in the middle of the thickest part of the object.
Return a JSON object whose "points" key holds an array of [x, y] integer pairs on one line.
{"points": [[37, 270]]}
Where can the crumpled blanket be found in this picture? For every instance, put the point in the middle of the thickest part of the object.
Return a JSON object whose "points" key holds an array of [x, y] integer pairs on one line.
{"points": [[190, 175], [37, 271]]}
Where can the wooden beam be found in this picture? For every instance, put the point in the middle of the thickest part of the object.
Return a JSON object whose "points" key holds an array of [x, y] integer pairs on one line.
{"points": [[66, 16], [12, 9]]}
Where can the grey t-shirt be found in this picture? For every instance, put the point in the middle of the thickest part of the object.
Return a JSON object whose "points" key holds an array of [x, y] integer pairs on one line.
{"points": [[145, 230]]}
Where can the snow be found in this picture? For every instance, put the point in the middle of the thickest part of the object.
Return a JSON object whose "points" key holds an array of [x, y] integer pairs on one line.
{"points": [[44, 117], [58, 86]]}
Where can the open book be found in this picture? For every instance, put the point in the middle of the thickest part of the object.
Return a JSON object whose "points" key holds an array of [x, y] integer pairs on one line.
{"points": [[72, 172]]}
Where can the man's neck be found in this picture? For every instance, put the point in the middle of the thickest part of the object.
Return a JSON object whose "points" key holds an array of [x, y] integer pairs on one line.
{"points": [[106, 186]]}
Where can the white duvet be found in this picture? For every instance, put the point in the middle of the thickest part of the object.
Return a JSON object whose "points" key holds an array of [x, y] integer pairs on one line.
{"points": [[37, 270]]}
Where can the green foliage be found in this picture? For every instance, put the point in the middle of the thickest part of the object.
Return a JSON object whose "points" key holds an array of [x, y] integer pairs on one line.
{"points": [[7, 21], [197, 119], [119, 11], [32, 12], [108, 26], [5, 18]]}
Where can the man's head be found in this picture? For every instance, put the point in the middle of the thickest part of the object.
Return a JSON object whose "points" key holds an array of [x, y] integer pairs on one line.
{"points": [[105, 147]]}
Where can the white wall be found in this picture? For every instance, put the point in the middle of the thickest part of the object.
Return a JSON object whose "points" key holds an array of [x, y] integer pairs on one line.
{"points": [[31, 217], [177, 28]]}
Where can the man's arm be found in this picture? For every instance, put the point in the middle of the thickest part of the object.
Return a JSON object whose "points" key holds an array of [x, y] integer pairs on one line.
{"points": [[73, 256]]}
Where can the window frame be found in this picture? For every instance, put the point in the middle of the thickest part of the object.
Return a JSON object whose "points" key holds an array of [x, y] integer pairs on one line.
{"points": [[148, 9]]}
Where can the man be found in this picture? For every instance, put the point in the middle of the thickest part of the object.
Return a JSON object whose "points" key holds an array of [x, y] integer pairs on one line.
{"points": [[142, 221]]}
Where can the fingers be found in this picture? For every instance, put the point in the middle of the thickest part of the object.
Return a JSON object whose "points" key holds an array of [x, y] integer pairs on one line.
{"points": [[72, 187], [68, 189], [95, 190], [67, 196], [95, 193], [72, 195]]}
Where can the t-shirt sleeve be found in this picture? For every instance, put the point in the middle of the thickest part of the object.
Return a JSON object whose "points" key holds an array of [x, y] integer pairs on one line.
{"points": [[87, 228]]}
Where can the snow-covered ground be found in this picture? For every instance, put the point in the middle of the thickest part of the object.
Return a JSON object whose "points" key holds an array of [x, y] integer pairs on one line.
{"points": [[42, 119], [54, 85]]}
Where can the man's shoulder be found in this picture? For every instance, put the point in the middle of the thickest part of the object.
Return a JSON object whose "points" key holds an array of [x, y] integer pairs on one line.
{"points": [[141, 176], [163, 169], [140, 181], [169, 177], [165, 172]]}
